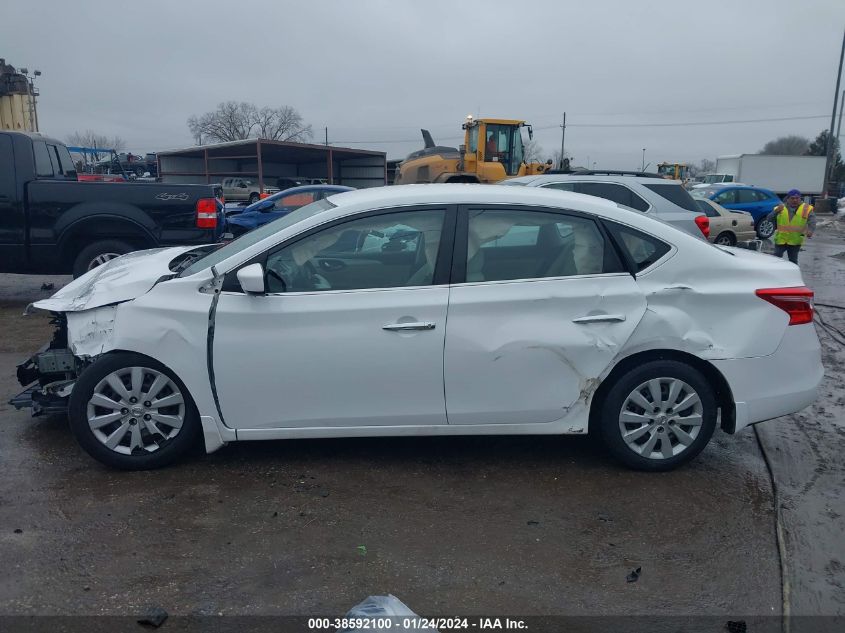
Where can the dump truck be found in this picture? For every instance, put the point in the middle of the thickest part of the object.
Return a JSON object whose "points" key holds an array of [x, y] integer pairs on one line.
{"points": [[492, 151]]}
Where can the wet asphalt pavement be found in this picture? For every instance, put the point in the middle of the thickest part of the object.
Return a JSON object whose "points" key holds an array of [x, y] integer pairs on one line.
{"points": [[496, 525]]}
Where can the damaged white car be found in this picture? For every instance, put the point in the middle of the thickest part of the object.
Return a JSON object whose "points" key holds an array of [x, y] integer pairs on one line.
{"points": [[430, 310]]}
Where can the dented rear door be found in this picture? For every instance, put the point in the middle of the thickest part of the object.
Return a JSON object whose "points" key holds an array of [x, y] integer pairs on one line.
{"points": [[526, 351]]}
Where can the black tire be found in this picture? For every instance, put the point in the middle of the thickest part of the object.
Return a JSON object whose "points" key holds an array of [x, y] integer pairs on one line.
{"points": [[172, 449], [88, 255], [727, 238], [253, 198], [765, 228], [626, 385]]}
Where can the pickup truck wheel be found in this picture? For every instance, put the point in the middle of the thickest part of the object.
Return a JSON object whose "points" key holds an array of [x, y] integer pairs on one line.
{"points": [[129, 411], [253, 198], [98, 253]]}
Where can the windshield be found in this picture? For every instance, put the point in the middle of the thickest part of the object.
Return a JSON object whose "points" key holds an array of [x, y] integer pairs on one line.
{"points": [[666, 170], [713, 178], [256, 235], [504, 145]]}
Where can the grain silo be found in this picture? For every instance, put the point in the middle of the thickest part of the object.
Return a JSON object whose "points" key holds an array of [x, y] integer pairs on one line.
{"points": [[17, 100]]}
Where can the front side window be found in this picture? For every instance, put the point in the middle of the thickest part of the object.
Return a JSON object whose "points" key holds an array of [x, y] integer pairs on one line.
{"points": [[644, 250], [726, 197], [503, 144], [504, 245], [746, 196], [383, 251]]}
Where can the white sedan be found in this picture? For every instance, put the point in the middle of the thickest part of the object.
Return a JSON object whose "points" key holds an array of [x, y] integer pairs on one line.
{"points": [[431, 310]]}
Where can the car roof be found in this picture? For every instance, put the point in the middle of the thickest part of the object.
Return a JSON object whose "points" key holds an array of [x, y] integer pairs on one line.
{"points": [[465, 193], [306, 188], [541, 178]]}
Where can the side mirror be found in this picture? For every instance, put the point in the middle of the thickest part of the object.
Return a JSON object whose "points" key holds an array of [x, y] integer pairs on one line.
{"points": [[251, 279]]}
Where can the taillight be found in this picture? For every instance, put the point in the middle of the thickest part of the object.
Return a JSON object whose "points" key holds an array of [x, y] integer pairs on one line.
{"points": [[703, 223], [796, 302], [206, 213]]}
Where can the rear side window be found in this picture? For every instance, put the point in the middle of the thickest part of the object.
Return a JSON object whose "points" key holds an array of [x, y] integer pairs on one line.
{"points": [[613, 192], [504, 245], [675, 194], [705, 207], [43, 164], [643, 249], [65, 163]]}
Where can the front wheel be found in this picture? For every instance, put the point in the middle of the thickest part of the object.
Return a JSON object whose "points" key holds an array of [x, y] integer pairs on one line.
{"points": [[658, 416], [253, 198], [131, 412], [765, 229]]}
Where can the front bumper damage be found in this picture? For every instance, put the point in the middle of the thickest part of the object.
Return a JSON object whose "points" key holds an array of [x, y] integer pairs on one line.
{"points": [[48, 375]]}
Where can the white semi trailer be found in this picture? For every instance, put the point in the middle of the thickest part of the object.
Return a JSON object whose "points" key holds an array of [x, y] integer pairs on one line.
{"points": [[778, 173]]}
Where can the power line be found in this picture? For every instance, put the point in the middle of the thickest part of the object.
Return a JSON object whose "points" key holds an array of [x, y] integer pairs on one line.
{"points": [[612, 125]]}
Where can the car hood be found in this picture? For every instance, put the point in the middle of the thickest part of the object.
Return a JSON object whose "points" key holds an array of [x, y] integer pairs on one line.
{"points": [[120, 279]]}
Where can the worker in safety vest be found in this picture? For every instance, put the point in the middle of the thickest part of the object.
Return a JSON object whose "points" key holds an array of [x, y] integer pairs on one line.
{"points": [[794, 220]]}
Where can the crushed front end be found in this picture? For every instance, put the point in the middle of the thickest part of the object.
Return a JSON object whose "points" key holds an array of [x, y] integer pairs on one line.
{"points": [[49, 374]]}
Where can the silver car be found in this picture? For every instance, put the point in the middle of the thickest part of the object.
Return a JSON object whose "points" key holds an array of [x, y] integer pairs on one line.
{"points": [[666, 200], [245, 190]]}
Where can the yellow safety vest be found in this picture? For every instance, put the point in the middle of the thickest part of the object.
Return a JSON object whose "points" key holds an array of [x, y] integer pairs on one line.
{"points": [[791, 232]]}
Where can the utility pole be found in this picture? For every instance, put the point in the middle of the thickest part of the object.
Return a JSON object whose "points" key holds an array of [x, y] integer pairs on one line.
{"points": [[841, 106], [828, 166], [643, 168], [562, 139], [327, 136]]}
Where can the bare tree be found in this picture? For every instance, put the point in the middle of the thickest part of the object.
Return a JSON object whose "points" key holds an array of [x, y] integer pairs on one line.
{"points": [[706, 166], [533, 152], [235, 121], [792, 145], [89, 138]]}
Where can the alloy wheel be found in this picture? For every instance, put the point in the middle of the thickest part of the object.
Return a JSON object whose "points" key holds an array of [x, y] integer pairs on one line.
{"points": [[136, 410], [101, 259], [765, 229], [661, 418]]}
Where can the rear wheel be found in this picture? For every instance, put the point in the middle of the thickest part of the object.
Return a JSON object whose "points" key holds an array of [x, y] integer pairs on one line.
{"points": [[726, 238], [765, 229], [253, 198], [658, 416], [131, 412], [98, 253]]}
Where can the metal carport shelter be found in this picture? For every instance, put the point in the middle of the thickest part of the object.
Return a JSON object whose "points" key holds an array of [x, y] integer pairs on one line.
{"points": [[267, 160]]}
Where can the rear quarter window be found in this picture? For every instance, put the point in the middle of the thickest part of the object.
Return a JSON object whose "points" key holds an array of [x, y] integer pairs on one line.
{"points": [[676, 194], [642, 250]]}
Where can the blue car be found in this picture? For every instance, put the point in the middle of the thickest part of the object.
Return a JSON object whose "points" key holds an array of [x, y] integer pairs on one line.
{"points": [[277, 205], [756, 201]]}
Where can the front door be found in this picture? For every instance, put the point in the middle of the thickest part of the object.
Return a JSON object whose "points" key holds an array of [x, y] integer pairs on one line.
{"points": [[545, 308], [350, 332]]}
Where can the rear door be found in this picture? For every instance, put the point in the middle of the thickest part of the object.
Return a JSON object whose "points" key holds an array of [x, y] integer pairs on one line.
{"points": [[12, 220], [540, 307]]}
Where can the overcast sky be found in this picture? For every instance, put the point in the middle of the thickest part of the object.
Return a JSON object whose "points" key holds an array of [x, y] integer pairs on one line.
{"points": [[375, 71]]}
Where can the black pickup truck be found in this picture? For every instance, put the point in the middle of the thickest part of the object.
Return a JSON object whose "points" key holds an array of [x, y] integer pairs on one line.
{"points": [[52, 224]]}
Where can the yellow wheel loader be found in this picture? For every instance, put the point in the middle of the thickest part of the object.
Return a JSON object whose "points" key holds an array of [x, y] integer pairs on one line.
{"points": [[492, 151]]}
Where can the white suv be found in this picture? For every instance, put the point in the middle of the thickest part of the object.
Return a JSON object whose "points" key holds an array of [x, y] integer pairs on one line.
{"points": [[663, 199]]}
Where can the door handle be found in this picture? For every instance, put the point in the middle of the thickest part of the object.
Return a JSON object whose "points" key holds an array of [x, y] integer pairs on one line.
{"points": [[403, 327], [600, 318]]}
